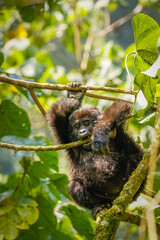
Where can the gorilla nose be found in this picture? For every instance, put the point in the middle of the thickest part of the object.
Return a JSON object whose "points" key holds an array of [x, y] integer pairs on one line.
{"points": [[82, 133]]}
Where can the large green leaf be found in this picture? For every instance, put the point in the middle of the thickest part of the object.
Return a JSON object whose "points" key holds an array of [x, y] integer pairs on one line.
{"points": [[9, 229], [80, 221], [46, 223], [60, 180], [13, 120], [49, 158], [146, 34], [28, 211]]}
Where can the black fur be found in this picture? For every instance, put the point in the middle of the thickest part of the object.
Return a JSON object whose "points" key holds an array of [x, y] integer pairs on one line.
{"points": [[97, 176]]}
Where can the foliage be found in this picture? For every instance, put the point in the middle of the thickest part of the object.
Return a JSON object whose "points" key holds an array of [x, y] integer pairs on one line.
{"points": [[46, 43]]}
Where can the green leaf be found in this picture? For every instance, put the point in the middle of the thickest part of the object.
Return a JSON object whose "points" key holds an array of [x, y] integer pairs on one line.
{"points": [[47, 222], [61, 182], [49, 158], [149, 120], [147, 85], [51, 191], [9, 230], [80, 220], [26, 163], [28, 13], [5, 207], [1, 58], [156, 182], [39, 170], [28, 211], [157, 90], [146, 112], [5, 195], [157, 215], [13, 120], [27, 202], [153, 70], [146, 34]]}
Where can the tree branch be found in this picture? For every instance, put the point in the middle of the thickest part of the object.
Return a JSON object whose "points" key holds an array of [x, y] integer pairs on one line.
{"points": [[87, 48], [105, 97], [43, 148], [120, 21], [77, 38], [30, 85], [37, 102], [108, 220]]}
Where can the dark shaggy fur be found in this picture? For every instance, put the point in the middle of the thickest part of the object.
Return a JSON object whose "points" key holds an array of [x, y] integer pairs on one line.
{"points": [[97, 176]]}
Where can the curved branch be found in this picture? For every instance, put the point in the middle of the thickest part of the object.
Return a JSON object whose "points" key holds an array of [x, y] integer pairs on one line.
{"points": [[105, 97], [33, 95], [43, 148], [30, 85], [120, 21]]}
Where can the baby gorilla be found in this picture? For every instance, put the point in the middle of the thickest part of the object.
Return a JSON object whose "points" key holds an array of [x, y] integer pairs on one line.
{"points": [[99, 169]]}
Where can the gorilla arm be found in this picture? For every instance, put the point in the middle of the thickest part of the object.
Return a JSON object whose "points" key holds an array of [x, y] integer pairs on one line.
{"points": [[111, 119], [58, 115]]}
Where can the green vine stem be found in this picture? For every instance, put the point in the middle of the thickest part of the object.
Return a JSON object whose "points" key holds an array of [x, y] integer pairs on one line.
{"points": [[43, 148]]}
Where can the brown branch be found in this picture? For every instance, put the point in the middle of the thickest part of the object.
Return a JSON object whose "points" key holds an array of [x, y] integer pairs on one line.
{"points": [[37, 102], [120, 21], [87, 48], [43, 148], [29, 85], [77, 38], [105, 97]]}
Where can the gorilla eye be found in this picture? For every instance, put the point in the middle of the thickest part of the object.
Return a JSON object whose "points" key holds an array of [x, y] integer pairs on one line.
{"points": [[76, 125], [86, 122]]}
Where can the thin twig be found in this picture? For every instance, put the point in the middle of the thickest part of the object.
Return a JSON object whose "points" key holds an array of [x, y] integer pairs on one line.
{"points": [[128, 70], [37, 102], [105, 97], [120, 21], [87, 48], [77, 38], [43, 148], [29, 85]]}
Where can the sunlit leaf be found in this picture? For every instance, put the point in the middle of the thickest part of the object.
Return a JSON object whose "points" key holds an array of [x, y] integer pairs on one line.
{"points": [[9, 230], [28, 211], [157, 90], [146, 34]]}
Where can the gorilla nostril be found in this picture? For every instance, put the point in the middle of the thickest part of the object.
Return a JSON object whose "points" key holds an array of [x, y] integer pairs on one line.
{"points": [[82, 131]]}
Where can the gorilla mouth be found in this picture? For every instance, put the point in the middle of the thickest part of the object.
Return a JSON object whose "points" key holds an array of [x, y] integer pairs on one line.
{"points": [[86, 146]]}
